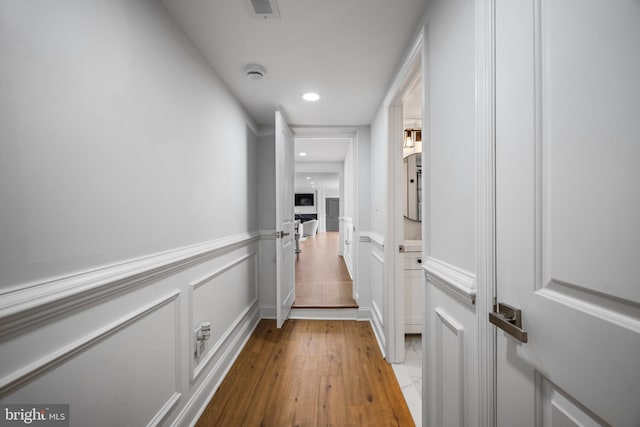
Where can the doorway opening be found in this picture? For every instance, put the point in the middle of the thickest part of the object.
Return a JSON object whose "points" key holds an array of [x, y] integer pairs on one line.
{"points": [[410, 368], [406, 229], [324, 223]]}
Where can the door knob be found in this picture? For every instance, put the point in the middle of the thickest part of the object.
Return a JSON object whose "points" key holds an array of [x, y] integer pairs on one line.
{"points": [[509, 319]]}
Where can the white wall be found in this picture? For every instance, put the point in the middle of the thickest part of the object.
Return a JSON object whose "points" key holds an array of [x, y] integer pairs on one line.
{"points": [[450, 387], [118, 128], [378, 171], [119, 146], [372, 192], [347, 208], [451, 132], [267, 224], [267, 182], [361, 282], [363, 177]]}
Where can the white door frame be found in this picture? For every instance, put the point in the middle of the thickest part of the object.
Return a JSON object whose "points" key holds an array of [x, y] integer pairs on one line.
{"points": [[485, 207], [352, 134], [393, 260]]}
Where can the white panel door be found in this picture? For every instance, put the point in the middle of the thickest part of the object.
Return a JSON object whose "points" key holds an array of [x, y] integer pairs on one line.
{"points": [[568, 211], [285, 268]]}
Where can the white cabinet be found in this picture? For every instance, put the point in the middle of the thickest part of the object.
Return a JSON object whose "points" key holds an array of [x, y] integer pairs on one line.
{"points": [[413, 287]]}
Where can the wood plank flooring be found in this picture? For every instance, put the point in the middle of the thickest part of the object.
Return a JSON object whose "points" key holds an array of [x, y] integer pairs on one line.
{"points": [[309, 373], [322, 279]]}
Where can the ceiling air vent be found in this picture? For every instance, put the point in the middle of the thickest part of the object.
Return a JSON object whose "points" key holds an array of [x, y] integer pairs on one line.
{"points": [[262, 9]]}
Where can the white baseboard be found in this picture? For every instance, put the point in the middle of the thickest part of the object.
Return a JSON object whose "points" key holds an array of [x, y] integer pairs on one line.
{"points": [[349, 263], [367, 314], [268, 312]]}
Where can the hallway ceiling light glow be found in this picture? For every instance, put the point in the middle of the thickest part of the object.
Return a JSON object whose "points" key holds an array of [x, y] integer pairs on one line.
{"points": [[302, 154], [311, 96], [308, 177]]}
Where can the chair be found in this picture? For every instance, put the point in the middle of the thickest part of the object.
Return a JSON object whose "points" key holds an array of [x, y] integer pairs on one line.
{"points": [[310, 228]]}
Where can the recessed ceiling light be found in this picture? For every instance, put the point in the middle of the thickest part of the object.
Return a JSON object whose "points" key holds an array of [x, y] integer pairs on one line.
{"points": [[308, 177], [312, 182], [311, 96], [302, 154]]}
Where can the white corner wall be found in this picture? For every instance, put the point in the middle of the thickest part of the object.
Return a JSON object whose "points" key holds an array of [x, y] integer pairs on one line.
{"points": [[378, 171], [372, 170], [450, 132], [450, 364], [129, 181]]}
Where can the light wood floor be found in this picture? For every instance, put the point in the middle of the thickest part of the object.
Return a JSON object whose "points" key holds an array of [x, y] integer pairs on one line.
{"points": [[322, 279], [309, 373]]}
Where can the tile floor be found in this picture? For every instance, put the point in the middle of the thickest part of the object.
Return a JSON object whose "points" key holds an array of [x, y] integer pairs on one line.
{"points": [[409, 375]]}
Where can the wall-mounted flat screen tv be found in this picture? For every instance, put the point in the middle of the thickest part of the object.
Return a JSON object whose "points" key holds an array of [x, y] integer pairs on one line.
{"points": [[304, 199]]}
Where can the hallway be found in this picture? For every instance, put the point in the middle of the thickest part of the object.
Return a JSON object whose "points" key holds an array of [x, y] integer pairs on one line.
{"points": [[309, 373], [322, 279]]}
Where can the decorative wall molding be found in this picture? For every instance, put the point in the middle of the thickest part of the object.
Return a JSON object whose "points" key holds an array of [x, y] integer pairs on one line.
{"points": [[198, 368], [348, 262], [209, 276], [376, 270], [455, 357], [50, 361], [456, 281], [377, 313], [211, 382], [371, 237], [251, 311], [165, 410], [37, 302]]}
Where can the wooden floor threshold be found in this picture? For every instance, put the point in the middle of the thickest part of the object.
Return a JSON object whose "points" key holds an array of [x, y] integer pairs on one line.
{"points": [[324, 305], [324, 313]]}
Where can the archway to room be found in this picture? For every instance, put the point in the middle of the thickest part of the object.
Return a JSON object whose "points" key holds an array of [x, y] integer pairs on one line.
{"points": [[323, 201]]}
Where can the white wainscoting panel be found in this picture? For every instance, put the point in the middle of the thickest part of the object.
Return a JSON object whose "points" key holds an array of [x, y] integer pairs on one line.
{"points": [[449, 364], [267, 277], [116, 343], [348, 237], [377, 299], [131, 365], [216, 285]]}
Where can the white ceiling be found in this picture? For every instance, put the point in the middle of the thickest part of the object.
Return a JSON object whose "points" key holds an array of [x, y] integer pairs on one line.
{"points": [[321, 149], [328, 181], [412, 107], [346, 50]]}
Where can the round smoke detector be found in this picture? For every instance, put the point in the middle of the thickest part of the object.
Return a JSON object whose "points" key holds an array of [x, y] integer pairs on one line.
{"points": [[255, 71]]}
